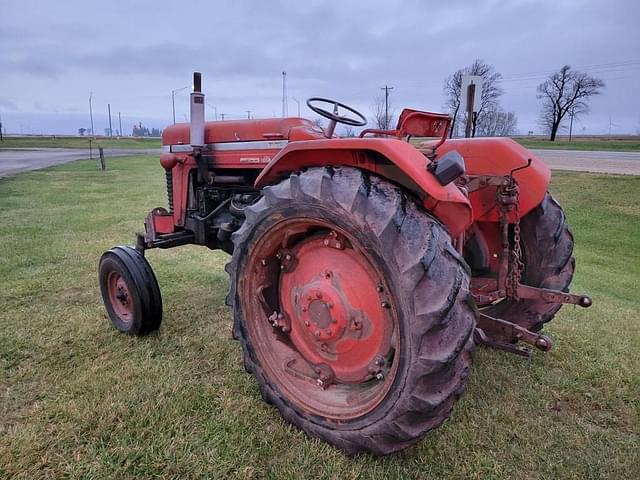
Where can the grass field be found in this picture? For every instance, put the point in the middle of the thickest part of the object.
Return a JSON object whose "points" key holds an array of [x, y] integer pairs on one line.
{"points": [[80, 400], [611, 144], [78, 142]]}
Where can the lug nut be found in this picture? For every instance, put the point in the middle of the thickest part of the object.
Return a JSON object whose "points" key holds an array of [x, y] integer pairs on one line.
{"points": [[307, 323], [385, 305], [380, 289], [379, 376], [326, 243]]}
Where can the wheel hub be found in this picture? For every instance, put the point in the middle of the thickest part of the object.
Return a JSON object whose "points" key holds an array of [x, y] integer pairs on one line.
{"points": [[322, 311], [337, 309], [119, 296]]}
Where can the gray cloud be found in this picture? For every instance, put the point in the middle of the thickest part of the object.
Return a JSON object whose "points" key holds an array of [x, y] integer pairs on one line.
{"points": [[132, 54]]}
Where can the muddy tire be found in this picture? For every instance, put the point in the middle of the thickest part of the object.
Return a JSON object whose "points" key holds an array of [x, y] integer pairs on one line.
{"points": [[428, 311], [130, 291], [547, 248]]}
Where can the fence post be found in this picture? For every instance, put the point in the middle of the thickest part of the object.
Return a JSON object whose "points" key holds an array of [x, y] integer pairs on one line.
{"points": [[103, 165]]}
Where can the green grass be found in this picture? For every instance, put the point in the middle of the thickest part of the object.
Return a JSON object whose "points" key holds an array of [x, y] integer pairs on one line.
{"points": [[612, 144], [78, 142], [80, 400]]}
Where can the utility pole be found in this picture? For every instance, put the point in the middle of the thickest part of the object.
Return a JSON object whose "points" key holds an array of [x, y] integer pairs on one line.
{"points": [[386, 89], [1, 128], [215, 110], [298, 102], [610, 123], [109, 111], [571, 114], [222, 116], [93, 134], [248, 114], [120, 124], [284, 95], [173, 105]]}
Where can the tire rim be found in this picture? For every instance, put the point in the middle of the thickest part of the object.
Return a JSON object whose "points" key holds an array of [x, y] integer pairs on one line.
{"points": [[119, 297], [321, 319]]}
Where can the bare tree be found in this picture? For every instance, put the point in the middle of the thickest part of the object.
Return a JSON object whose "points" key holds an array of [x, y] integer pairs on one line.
{"points": [[565, 91], [348, 131], [381, 119], [491, 92], [498, 123]]}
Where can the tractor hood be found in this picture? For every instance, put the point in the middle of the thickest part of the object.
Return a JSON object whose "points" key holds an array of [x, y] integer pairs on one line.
{"points": [[236, 130]]}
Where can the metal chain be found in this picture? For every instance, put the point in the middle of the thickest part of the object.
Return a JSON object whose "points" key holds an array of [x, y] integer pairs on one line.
{"points": [[508, 202], [515, 265]]}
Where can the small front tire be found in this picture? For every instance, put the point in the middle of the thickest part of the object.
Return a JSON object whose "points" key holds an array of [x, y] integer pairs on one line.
{"points": [[130, 291]]}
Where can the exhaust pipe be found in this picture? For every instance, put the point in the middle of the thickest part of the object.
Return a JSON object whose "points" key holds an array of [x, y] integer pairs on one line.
{"points": [[197, 112]]}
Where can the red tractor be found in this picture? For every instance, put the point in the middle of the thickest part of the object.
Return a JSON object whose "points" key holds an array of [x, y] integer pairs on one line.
{"points": [[363, 270]]}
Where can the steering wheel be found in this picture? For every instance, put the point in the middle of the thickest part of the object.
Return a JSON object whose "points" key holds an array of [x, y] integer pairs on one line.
{"points": [[334, 115]]}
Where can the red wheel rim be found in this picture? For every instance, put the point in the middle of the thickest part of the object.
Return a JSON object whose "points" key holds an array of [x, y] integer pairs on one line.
{"points": [[119, 296], [320, 318]]}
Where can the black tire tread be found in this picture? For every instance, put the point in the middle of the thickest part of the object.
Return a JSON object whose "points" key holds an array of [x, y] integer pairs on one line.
{"points": [[432, 271], [144, 282]]}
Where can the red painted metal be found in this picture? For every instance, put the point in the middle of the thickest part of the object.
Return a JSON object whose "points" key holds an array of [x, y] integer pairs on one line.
{"points": [[388, 157], [237, 130], [336, 315], [119, 297], [414, 123], [497, 157], [330, 346]]}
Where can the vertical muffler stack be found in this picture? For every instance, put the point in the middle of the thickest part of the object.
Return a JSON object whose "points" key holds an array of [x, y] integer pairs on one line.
{"points": [[197, 113], [197, 127]]}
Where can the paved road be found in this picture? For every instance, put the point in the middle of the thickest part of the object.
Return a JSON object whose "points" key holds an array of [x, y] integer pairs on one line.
{"points": [[17, 160], [13, 161], [627, 163]]}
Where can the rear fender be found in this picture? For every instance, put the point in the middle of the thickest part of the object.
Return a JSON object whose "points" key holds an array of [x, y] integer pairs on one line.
{"points": [[498, 156], [393, 159]]}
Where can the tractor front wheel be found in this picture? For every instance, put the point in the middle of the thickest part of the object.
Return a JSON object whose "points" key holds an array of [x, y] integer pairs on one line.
{"points": [[130, 291], [352, 308]]}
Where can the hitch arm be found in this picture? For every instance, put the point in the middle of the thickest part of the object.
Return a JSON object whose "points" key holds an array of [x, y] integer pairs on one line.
{"points": [[501, 334], [553, 296]]}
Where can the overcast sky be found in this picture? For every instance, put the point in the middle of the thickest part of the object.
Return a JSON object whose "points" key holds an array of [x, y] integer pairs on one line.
{"points": [[133, 53]]}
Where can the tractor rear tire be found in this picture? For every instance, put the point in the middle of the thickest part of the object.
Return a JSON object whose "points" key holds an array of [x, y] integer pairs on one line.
{"points": [[130, 291], [427, 283], [547, 249]]}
